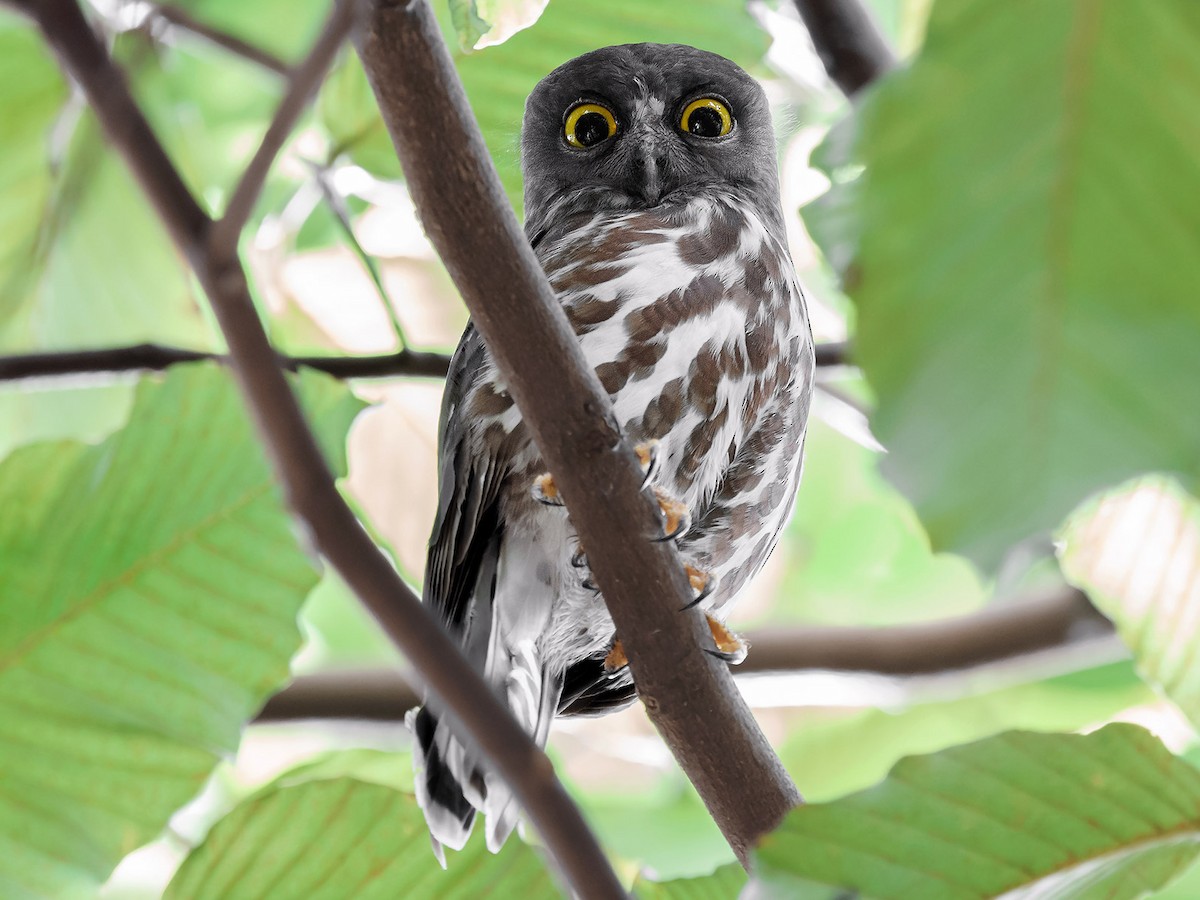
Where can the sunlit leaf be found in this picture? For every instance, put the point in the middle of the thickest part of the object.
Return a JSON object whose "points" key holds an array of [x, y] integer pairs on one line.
{"points": [[1021, 254], [149, 587], [344, 837], [1136, 552], [1111, 814]]}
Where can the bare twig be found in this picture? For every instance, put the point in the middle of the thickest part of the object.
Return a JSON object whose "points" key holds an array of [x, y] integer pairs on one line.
{"points": [[1037, 623], [181, 18], [469, 702], [302, 85], [155, 357], [690, 696], [337, 205], [848, 41]]}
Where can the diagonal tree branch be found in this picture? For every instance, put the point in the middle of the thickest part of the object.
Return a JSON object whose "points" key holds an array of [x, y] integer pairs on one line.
{"points": [[302, 85], [689, 695], [309, 486], [848, 41], [1027, 625], [156, 357], [181, 18]]}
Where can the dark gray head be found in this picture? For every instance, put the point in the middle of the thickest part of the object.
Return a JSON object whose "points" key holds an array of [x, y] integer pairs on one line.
{"points": [[641, 125]]}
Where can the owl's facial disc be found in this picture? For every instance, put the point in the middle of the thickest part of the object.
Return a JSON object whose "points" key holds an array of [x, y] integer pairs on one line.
{"points": [[644, 125]]}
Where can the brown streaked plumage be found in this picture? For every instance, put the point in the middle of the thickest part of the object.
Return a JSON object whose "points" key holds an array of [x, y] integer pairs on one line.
{"points": [[666, 246]]}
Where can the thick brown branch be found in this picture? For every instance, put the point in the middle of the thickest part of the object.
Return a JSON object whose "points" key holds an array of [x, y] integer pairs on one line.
{"points": [[689, 695], [848, 41], [235, 45], [155, 357], [468, 700], [1057, 619], [305, 80]]}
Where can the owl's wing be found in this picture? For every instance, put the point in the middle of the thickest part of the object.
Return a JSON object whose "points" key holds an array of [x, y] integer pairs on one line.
{"points": [[590, 689], [463, 542]]}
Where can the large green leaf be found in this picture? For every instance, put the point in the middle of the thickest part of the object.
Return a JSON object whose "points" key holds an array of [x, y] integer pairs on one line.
{"points": [[343, 837], [1021, 249], [499, 78], [149, 587], [1136, 552], [1107, 815]]}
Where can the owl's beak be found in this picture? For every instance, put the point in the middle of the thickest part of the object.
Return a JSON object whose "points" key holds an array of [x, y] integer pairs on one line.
{"points": [[648, 166]]}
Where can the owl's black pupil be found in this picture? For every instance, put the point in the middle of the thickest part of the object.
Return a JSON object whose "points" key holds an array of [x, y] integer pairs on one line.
{"points": [[591, 128], [705, 122]]}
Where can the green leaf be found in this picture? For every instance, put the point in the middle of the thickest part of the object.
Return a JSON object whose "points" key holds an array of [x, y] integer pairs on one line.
{"points": [[1022, 245], [1111, 814], [286, 28], [344, 837], [150, 589], [835, 755], [1136, 551], [499, 78], [725, 883]]}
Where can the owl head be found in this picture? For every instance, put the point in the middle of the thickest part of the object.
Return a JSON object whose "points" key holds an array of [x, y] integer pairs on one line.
{"points": [[643, 125]]}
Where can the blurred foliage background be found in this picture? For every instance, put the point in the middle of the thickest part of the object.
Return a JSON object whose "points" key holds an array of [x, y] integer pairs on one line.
{"points": [[1004, 228]]}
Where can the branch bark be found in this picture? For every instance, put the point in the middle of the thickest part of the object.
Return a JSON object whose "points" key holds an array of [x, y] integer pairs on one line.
{"points": [[156, 357], [689, 695], [308, 484], [1028, 625], [850, 45]]}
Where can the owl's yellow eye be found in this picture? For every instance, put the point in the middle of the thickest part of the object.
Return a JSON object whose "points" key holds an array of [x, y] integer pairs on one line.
{"points": [[589, 124], [707, 117]]}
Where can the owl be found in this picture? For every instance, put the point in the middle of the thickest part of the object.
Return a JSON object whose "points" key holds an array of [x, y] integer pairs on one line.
{"points": [[652, 202]]}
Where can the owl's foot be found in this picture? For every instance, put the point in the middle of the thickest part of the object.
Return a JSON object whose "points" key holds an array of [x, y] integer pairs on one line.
{"points": [[677, 518], [730, 647], [616, 657], [544, 489], [702, 583]]}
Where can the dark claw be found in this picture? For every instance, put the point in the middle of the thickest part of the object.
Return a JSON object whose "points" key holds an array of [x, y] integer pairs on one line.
{"points": [[703, 595], [539, 494], [652, 465], [579, 559], [589, 585], [732, 658]]}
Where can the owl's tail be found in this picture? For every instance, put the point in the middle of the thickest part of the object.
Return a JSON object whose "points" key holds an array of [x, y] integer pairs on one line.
{"points": [[451, 784]]}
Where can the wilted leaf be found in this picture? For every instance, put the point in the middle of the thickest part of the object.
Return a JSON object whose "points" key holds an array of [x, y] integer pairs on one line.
{"points": [[348, 838], [1136, 552], [149, 588], [1023, 259], [1111, 814]]}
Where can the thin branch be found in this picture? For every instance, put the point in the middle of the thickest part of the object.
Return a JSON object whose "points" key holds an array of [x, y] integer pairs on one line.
{"points": [[848, 41], [689, 695], [156, 357], [181, 18], [302, 86], [470, 704], [1030, 625], [833, 353], [337, 205]]}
